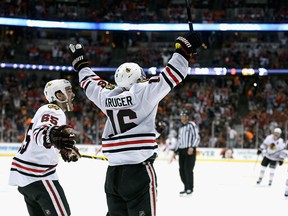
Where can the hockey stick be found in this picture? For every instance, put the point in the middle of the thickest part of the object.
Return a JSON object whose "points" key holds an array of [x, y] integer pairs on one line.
{"points": [[189, 19], [189, 16], [256, 162], [276, 151], [95, 157]]}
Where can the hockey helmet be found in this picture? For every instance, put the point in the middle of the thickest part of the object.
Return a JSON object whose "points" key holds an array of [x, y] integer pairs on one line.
{"points": [[277, 130], [54, 86], [184, 113], [127, 74]]}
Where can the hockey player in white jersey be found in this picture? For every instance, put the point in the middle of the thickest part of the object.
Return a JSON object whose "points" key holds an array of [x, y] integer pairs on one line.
{"points": [[128, 139], [33, 168], [274, 151]]}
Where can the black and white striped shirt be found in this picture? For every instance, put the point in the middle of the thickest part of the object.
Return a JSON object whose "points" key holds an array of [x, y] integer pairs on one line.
{"points": [[188, 136]]}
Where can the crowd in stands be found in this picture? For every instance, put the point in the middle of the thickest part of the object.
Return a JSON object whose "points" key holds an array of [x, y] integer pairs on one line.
{"points": [[231, 50], [147, 11], [21, 94], [216, 104], [236, 49]]}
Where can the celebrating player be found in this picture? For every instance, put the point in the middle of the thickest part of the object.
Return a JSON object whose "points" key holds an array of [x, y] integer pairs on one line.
{"points": [[274, 146], [33, 168], [128, 139]]}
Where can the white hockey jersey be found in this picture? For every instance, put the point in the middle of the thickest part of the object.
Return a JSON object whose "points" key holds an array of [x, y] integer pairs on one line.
{"points": [[129, 136], [171, 143], [33, 161], [274, 149]]}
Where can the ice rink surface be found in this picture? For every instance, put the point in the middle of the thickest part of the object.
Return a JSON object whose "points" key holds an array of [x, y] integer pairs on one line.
{"points": [[221, 189]]}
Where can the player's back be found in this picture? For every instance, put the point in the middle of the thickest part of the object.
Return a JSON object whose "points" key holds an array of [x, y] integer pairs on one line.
{"points": [[130, 128]]}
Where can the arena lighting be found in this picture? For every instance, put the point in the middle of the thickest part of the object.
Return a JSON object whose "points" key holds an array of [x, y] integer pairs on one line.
{"points": [[152, 70], [215, 71], [144, 26]]}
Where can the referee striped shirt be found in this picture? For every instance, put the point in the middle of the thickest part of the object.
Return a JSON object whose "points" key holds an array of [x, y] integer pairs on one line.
{"points": [[188, 136]]}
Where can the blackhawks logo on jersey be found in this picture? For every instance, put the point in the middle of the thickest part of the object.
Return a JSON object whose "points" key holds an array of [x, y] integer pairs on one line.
{"points": [[110, 86], [53, 106], [272, 146]]}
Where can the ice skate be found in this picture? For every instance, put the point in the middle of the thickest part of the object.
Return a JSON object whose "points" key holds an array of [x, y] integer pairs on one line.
{"points": [[186, 193], [182, 193]]}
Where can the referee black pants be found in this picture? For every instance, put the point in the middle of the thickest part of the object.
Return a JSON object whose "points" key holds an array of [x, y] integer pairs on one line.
{"points": [[45, 197], [186, 168], [131, 189]]}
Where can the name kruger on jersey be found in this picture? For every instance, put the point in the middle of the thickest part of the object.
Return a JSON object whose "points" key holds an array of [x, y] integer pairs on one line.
{"points": [[132, 113], [119, 102]]}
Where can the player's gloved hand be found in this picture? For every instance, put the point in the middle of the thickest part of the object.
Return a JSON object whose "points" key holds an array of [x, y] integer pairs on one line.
{"points": [[259, 151], [59, 136], [187, 44], [280, 163], [70, 155], [78, 55]]}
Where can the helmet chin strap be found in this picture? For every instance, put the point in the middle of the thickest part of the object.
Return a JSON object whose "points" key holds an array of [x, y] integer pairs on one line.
{"points": [[67, 104], [68, 107]]}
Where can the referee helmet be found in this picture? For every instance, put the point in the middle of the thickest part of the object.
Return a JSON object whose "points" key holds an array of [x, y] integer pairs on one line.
{"points": [[184, 112]]}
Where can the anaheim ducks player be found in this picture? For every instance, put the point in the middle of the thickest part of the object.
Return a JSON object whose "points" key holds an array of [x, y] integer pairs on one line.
{"points": [[274, 148], [128, 139], [33, 168]]}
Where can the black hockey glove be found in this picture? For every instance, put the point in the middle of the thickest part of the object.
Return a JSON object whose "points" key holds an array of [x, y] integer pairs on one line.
{"points": [[70, 155], [280, 163], [187, 44], [259, 151], [60, 137], [79, 59]]}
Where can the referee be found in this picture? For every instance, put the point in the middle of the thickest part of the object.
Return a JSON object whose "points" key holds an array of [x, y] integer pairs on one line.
{"points": [[188, 140]]}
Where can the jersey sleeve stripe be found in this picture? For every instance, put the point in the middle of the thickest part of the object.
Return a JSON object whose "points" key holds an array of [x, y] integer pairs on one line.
{"points": [[33, 175], [128, 143], [32, 169], [138, 147], [85, 83], [174, 78], [167, 80], [33, 164], [85, 88], [130, 149], [87, 77], [129, 136], [36, 133], [176, 71], [85, 80]]}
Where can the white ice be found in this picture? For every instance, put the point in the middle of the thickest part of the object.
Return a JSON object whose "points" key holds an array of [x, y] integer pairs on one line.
{"points": [[221, 189]]}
